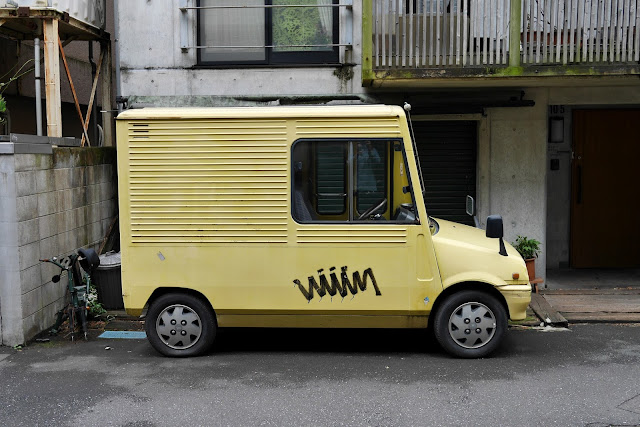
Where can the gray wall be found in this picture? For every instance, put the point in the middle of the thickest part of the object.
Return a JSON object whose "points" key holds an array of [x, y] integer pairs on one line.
{"points": [[153, 64], [49, 206]]}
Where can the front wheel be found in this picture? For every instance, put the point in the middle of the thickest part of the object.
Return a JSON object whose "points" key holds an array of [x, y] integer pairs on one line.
{"points": [[470, 324], [180, 325]]}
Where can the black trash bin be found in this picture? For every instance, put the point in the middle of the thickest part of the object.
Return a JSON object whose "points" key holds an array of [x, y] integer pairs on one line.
{"points": [[109, 282]]}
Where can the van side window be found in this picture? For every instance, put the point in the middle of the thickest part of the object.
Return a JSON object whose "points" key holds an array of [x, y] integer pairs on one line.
{"points": [[351, 181]]}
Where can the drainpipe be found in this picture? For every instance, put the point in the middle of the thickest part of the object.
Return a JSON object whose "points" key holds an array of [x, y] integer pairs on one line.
{"points": [[36, 54], [116, 47]]}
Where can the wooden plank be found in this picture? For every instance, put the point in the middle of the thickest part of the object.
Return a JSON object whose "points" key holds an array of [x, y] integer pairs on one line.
{"points": [[545, 32], [431, 32], [553, 29], [565, 31], [593, 19], [625, 28], [438, 39], [524, 33], [458, 32], [491, 34], [107, 95], [465, 31], [546, 312], [396, 23], [416, 46], [580, 51], [636, 56], [73, 91], [424, 32], [451, 32], [538, 31], [52, 78], [94, 86]]}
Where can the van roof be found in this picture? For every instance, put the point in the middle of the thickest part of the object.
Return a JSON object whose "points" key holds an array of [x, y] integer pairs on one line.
{"points": [[304, 111]]}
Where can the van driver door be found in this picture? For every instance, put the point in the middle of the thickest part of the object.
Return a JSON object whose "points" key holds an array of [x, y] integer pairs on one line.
{"points": [[358, 245]]}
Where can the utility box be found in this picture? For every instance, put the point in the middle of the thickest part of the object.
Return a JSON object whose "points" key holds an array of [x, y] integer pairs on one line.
{"points": [[108, 281]]}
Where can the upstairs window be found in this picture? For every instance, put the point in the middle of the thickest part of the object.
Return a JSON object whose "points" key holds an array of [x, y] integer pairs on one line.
{"points": [[264, 32]]}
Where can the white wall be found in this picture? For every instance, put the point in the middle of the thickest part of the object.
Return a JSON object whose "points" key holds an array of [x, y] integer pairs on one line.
{"points": [[153, 64]]}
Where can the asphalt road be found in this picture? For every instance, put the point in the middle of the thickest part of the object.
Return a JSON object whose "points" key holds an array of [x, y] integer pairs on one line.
{"points": [[589, 375]]}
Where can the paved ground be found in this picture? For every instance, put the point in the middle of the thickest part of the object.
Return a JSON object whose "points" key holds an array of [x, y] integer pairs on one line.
{"points": [[594, 295], [585, 376]]}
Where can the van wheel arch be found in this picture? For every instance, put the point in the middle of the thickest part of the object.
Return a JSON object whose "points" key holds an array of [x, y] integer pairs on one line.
{"points": [[176, 290], [466, 286]]}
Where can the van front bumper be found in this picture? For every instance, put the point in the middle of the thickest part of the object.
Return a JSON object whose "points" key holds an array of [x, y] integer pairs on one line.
{"points": [[518, 298]]}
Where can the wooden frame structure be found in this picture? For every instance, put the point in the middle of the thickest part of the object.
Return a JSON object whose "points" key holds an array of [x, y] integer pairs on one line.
{"points": [[58, 29]]}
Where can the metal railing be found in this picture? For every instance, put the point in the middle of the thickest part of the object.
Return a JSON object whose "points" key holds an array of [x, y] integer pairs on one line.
{"points": [[461, 33], [345, 40]]}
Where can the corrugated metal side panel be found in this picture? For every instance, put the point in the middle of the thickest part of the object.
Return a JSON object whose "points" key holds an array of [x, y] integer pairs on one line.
{"points": [[348, 128], [213, 181], [351, 234], [447, 152]]}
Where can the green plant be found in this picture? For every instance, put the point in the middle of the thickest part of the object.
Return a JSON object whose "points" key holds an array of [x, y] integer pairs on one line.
{"points": [[95, 308], [527, 248], [4, 85]]}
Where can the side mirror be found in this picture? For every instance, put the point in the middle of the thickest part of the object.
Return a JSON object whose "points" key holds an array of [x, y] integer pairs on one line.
{"points": [[471, 210], [495, 230], [471, 206]]}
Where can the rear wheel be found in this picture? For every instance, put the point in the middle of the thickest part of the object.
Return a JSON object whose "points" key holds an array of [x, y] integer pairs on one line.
{"points": [[470, 324], [180, 325]]}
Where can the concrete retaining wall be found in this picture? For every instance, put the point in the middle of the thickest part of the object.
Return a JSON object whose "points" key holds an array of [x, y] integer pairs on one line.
{"points": [[50, 204]]}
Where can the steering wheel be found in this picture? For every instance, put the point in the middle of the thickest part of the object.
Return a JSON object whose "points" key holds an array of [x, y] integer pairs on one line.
{"points": [[372, 209]]}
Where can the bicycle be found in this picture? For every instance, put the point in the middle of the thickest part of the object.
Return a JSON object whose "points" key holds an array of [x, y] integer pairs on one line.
{"points": [[78, 283]]}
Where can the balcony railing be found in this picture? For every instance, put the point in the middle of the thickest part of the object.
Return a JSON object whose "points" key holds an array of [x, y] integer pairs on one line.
{"points": [[479, 33]]}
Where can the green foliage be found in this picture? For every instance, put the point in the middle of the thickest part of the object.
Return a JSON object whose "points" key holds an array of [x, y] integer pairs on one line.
{"points": [[527, 248], [95, 307], [4, 85], [299, 26]]}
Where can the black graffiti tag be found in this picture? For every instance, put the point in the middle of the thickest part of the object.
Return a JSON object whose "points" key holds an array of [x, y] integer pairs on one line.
{"points": [[333, 286]]}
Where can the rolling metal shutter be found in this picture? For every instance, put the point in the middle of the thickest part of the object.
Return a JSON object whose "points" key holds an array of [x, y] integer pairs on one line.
{"points": [[447, 152]]}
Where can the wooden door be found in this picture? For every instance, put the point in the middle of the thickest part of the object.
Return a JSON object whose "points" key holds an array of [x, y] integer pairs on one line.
{"points": [[605, 206]]}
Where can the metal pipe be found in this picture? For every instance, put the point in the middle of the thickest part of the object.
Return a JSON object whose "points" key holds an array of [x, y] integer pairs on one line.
{"points": [[36, 70], [94, 118], [116, 47]]}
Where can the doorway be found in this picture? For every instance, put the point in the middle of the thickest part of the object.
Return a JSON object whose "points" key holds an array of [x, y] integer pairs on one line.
{"points": [[605, 195]]}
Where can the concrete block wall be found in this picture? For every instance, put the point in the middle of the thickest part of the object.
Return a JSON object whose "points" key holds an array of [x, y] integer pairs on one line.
{"points": [[50, 205]]}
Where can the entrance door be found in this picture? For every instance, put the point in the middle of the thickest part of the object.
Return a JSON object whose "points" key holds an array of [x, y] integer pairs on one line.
{"points": [[605, 206]]}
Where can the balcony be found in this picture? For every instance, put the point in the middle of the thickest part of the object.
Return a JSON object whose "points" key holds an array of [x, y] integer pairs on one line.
{"points": [[424, 42]]}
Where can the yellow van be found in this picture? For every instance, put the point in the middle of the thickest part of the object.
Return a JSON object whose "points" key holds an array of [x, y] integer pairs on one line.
{"points": [[299, 217]]}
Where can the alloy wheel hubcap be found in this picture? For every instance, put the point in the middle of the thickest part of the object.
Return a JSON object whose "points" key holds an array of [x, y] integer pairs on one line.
{"points": [[179, 327], [472, 325]]}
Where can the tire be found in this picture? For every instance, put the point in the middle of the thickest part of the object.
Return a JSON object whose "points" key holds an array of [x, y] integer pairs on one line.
{"points": [[180, 325], [458, 331]]}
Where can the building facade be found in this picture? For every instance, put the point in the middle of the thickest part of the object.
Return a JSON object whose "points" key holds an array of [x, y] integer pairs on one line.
{"points": [[530, 106]]}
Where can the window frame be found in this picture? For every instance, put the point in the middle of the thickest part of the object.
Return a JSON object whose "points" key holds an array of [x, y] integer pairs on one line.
{"points": [[328, 57], [350, 182]]}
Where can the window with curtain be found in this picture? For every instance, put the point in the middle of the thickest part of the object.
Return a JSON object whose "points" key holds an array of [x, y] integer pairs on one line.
{"points": [[282, 34]]}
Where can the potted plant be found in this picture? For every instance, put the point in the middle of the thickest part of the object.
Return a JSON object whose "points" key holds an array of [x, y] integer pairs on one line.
{"points": [[528, 250]]}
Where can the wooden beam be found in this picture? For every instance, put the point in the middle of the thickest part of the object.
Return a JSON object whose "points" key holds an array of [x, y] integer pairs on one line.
{"points": [[73, 91], [52, 77], [93, 94], [107, 95]]}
